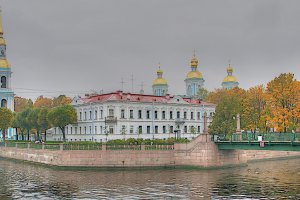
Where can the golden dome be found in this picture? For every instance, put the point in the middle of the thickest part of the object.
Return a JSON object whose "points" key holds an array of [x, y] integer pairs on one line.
{"points": [[194, 74], [159, 71], [160, 81], [229, 79], [194, 62], [229, 68], [2, 41], [4, 63]]}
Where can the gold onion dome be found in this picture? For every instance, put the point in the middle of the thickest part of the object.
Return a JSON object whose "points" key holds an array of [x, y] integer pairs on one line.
{"points": [[194, 62], [4, 63], [160, 80], [229, 79], [194, 74]]}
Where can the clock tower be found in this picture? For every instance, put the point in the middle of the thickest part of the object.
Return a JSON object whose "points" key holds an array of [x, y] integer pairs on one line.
{"points": [[6, 93]]}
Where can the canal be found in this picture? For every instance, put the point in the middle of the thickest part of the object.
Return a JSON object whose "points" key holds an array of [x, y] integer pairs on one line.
{"points": [[261, 180]]}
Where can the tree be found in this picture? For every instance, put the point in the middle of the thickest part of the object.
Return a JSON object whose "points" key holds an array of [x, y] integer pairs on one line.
{"points": [[24, 122], [43, 120], [255, 111], [230, 104], [21, 103], [61, 100], [42, 101], [283, 94], [202, 93], [33, 121], [62, 116], [6, 119]]}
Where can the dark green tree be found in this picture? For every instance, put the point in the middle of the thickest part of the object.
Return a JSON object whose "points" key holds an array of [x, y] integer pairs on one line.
{"points": [[43, 120], [62, 116], [6, 119]]}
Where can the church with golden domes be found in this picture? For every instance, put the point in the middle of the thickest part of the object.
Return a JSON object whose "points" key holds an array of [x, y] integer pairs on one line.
{"points": [[194, 81], [6, 93]]}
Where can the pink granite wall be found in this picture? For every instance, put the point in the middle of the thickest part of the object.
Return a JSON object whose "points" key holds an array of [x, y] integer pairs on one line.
{"points": [[200, 152]]}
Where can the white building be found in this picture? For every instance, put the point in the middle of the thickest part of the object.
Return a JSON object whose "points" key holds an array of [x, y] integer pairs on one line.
{"points": [[121, 115]]}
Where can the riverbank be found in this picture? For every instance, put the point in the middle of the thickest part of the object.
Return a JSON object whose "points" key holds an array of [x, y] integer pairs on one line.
{"points": [[199, 153]]}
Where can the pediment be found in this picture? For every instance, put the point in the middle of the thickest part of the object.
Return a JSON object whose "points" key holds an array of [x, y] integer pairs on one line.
{"points": [[177, 100]]}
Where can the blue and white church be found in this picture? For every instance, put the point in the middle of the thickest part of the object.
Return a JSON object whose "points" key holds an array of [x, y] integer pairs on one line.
{"points": [[229, 81], [6, 93], [194, 79]]}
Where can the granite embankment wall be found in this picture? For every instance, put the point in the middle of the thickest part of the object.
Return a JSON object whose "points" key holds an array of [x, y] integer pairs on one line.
{"points": [[200, 152]]}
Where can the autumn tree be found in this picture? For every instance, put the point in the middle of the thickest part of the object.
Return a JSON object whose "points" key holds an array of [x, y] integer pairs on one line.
{"points": [[61, 100], [255, 113], [42, 101], [62, 116], [21, 103], [202, 93], [283, 96], [23, 121], [32, 119], [6, 119]]}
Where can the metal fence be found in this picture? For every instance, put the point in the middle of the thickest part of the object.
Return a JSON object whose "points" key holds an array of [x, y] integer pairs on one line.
{"points": [[251, 137]]}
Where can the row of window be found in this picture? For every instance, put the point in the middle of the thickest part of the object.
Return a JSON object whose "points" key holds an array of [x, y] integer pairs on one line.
{"points": [[123, 130], [140, 115]]}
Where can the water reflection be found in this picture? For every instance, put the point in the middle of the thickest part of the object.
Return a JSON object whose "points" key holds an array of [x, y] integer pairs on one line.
{"points": [[273, 179]]}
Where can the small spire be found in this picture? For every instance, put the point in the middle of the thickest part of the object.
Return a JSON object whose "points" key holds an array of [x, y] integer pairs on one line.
{"points": [[194, 53], [159, 65], [1, 27]]}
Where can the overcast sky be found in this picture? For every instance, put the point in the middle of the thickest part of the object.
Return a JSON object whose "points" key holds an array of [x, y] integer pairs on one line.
{"points": [[76, 46]]}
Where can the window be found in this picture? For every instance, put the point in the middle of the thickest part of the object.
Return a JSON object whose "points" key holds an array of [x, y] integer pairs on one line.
{"points": [[192, 115], [80, 130], [95, 129], [80, 115], [198, 115], [3, 103], [111, 130], [66, 129], [85, 130], [148, 114], [71, 130], [122, 114], [148, 129], [155, 114], [185, 129], [131, 114], [84, 115], [140, 129], [198, 129], [164, 129], [156, 129], [131, 129], [184, 115], [123, 129], [3, 82], [171, 114], [101, 129], [140, 114], [101, 114], [75, 130], [90, 130], [90, 115], [111, 112], [171, 129], [163, 115], [178, 114], [96, 114]]}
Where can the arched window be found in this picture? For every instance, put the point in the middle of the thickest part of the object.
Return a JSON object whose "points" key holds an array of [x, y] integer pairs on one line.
{"points": [[3, 82], [3, 103]]}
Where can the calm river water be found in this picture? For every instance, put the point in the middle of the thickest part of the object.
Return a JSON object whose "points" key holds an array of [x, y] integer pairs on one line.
{"points": [[263, 180]]}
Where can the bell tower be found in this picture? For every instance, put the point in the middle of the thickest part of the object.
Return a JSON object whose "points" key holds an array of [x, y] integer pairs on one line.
{"points": [[6, 93]]}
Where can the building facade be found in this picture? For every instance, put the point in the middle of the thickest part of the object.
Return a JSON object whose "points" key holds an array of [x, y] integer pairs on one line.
{"points": [[121, 115], [6, 93], [230, 81]]}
